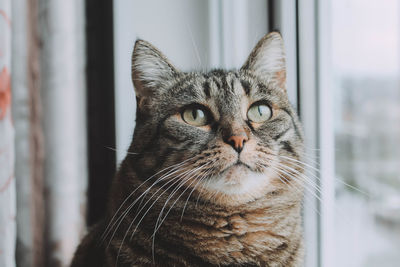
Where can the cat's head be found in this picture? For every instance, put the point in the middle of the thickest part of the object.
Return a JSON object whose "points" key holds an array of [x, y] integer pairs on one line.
{"points": [[231, 135]]}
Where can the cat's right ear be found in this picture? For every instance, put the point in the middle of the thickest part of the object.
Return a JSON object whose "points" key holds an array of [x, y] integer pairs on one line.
{"points": [[151, 70], [268, 59]]}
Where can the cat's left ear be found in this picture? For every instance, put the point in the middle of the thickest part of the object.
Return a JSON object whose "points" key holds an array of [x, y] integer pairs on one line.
{"points": [[151, 70], [268, 60]]}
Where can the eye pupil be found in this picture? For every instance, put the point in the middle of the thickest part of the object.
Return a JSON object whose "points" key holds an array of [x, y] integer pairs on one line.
{"points": [[263, 110], [194, 113], [260, 111]]}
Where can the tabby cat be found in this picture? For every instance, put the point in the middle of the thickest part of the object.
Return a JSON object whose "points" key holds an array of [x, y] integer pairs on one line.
{"points": [[212, 175]]}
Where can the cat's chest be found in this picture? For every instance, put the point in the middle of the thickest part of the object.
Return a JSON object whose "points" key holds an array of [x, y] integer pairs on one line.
{"points": [[237, 238]]}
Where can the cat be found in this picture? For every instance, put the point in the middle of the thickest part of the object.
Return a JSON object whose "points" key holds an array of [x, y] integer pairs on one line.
{"points": [[212, 176]]}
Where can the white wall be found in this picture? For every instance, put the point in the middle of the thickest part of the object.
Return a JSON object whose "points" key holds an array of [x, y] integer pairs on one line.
{"points": [[194, 35]]}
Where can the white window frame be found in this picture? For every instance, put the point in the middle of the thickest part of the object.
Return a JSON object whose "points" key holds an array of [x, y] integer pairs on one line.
{"points": [[317, 117], [326, 134], [305, 29], [307, 68]]}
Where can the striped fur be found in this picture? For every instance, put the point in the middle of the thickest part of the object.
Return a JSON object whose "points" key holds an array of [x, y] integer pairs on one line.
{"points": [[179, 197]]}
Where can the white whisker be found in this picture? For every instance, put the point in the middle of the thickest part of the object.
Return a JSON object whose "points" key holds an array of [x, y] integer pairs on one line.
{"points": [[199, 180], [158, 225], [118, 150], [176, 180], [171, 195], [174, 169], [318, 171]]}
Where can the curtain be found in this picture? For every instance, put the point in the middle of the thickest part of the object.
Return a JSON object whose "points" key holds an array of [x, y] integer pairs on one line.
{"points": [[42, 210], [61, 30], [7, 181]]}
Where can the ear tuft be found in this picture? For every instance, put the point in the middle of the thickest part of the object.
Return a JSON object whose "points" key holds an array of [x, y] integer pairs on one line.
{"points": [[150, 69], [268, 59]]}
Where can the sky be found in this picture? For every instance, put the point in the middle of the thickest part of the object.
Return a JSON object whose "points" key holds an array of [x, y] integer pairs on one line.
{"points": [[365, 37]]}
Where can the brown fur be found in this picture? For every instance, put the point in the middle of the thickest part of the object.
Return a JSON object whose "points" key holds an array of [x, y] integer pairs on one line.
{"points": [[185, 195]]}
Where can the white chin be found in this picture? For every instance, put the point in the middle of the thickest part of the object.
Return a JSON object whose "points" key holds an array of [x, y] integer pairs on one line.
{"points": [[238, 180]]}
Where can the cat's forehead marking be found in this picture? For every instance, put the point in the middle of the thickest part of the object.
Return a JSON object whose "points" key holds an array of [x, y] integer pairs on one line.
{"points": [[235, 84], [225, 94], [224, 84]]}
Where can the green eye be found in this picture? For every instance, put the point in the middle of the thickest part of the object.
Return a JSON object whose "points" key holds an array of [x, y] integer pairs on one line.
{"points": [[195, 116], [259, 113]]}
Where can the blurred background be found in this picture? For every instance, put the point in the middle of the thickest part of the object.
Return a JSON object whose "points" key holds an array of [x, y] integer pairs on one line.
{"points": [[67, 112]]}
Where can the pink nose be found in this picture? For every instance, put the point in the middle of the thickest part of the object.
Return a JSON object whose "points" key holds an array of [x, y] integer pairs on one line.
{"points": [[237, 141]]}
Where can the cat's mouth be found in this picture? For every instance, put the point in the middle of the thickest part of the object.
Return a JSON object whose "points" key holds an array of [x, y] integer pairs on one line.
{"points": [[239, 164]]}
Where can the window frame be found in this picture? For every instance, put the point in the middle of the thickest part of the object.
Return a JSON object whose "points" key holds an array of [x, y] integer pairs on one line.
{"points": [[316, 110], [305, 27]]}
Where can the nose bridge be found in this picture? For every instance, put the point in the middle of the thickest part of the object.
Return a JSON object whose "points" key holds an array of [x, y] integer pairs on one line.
{"points": [[235, 131], [232, 126]]}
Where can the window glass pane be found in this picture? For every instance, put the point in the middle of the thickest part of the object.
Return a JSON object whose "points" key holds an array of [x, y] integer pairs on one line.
{"points": [[365, 58]]}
